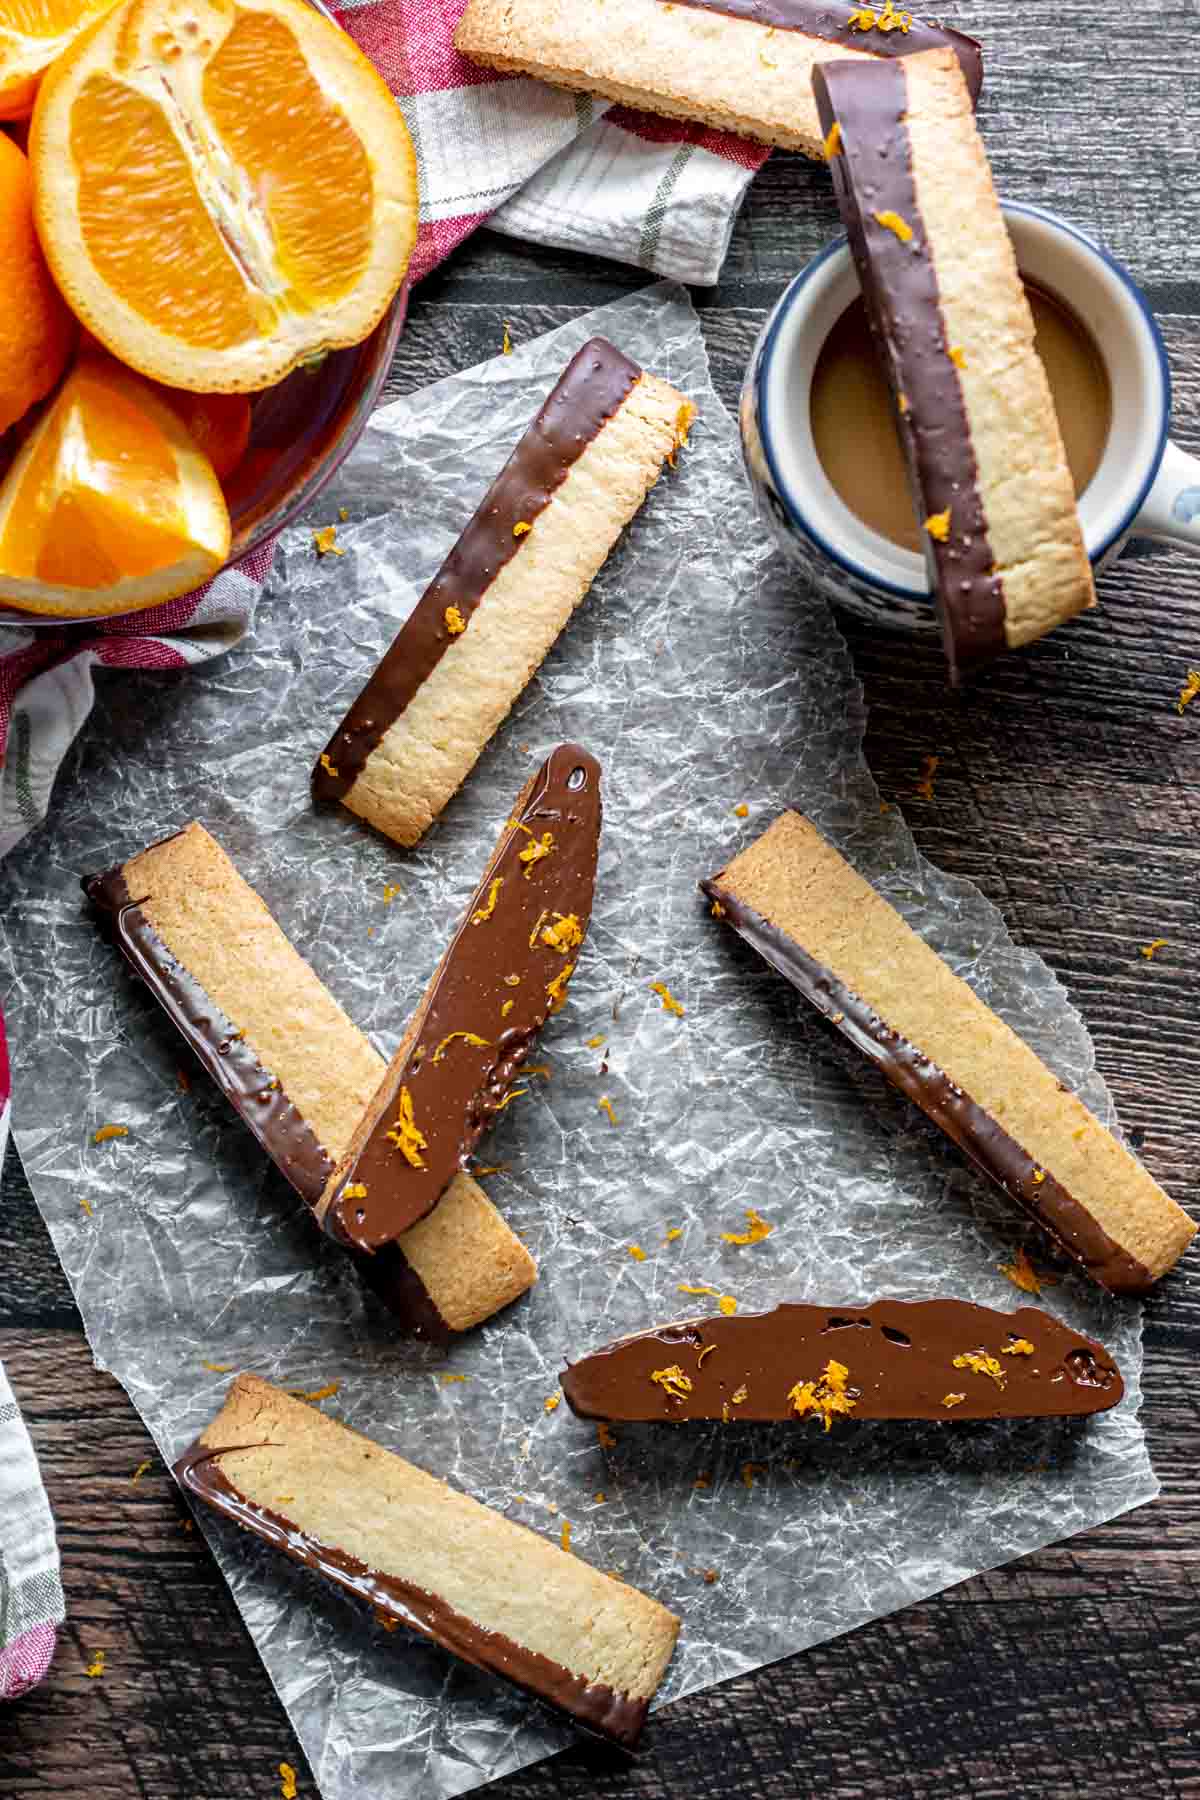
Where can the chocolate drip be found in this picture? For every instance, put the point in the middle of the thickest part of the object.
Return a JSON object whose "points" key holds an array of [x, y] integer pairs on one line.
{"points": [[832, 24], [899, 1355], [251, 1088], [987, 1144], [872, 174], [615, 1716], [594, 386], [498, 958]]}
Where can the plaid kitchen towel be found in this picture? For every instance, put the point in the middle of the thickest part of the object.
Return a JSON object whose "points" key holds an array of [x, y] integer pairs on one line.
{"points": [[31, 1598], [537, 163]]}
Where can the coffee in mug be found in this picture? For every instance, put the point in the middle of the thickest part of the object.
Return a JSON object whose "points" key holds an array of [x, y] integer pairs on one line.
{"points": [[854, 422]]}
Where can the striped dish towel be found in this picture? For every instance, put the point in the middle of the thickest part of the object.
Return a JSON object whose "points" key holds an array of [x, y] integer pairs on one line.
{"points": [[537, 163], [31, 1598]]}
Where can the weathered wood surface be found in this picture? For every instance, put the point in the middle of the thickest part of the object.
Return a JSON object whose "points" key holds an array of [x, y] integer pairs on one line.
{"points": [[1069, 789]]}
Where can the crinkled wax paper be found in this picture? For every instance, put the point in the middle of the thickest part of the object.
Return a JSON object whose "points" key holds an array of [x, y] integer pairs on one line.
{"points": [[704, 680]]}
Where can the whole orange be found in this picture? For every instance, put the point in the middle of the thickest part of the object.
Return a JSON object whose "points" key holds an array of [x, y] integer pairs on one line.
{"points": [[36, 326]]}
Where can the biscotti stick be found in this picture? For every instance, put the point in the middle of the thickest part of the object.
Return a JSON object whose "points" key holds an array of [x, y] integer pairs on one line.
{"points": [[284, 1053], [742, 65], [425, 1556], [821, 925], [491, 614], [892, 1359], [990, 476], [505, 971]]}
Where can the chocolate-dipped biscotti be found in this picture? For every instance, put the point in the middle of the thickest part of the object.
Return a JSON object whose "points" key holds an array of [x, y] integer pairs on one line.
{"points": [[893, 1359], [527, 558], [505, 971], [989, 470], [422, 1555], [742, 65], [807, 912], [299, 1072]]}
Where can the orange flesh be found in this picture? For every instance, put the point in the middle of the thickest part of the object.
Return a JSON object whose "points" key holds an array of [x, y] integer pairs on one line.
{"points": [[99, 500], [143, 214]]}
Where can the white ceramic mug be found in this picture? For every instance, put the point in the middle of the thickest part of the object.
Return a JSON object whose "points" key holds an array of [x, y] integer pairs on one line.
{"points": [[1145, 485]]}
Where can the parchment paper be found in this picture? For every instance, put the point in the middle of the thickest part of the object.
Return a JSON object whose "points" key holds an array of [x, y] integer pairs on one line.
{"points": [[704, 680]]}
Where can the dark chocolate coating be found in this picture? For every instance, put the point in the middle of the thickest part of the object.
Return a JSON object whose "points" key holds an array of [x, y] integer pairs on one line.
{"points": [[456, 1087], [899, 1354], [611, 1715], [253, 1090], [832, 24], [594, 386], [987, 1144], [872, 173]]}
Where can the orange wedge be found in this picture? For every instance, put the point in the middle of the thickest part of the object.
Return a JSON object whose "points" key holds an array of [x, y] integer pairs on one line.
{"points": [[32, 34], [109, 506], [224, 188]]}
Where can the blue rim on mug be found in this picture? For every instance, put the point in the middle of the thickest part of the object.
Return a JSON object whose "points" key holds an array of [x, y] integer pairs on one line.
{"points": [[789, 299]]}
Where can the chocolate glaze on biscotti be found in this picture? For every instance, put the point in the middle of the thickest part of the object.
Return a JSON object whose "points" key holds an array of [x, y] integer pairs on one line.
{"points": [[418, 1527], [840, 938], [872, 174], [899, 1356], [505, 971], [253, 1090], [597, 381], [835, 25]]}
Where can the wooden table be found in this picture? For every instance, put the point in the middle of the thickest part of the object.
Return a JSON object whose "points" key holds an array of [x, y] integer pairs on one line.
{"points": [[1069, 788]]}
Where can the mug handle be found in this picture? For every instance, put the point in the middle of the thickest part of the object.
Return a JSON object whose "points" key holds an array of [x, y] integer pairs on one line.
{"points": [[1172, 509]]}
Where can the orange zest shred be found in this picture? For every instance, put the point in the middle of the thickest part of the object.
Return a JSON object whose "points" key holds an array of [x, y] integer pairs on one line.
{"points": [[606, 1106], [742, 1394], [742, 811], [826, 1396], [1021, 1272], [980, 1363], [727, 1305], [107, 1132], [87, 1207], [556, 990], [891, 221], [685, 1288], [949, 1400], [605, 1437], [565, 935], [322, 1393], [472, 1037], [485, 911], [536, 1069], [750, 1470], [507, 1008], [218, 1368], [536, 851], [600, 1498], [390, 893], [885, 18], [759, 1229], [718, 911], [833, 143], [287, 1779], [684, 419], [455, 623], [675, 1232], [707, 1351], [513, 980], [566, 1534], [356, 1191], [957, 355], [929, 769], [513, 1094], [506, 347], [449, 1380], [674, 1383], [594, 1043], [325, 542], [329, 768], [938, 526], [701, 1482], [1039, 1175], [669, 1003], [404, 1134], [902, 403], [141, 1470], [1188, 691], [533, 938], [1150, 951], [521, 527], [1018, 1347], [96, 1666], [636, 1251], [551, 1403]]}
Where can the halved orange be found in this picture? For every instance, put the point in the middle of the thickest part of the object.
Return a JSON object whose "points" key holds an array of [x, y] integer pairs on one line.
{"points": [[32, 34], [36, 329], [109, 505], [224, 188]]}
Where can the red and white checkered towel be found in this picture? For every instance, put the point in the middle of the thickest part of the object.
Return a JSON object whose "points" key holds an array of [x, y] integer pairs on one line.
{"points": [[532, 161]]}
